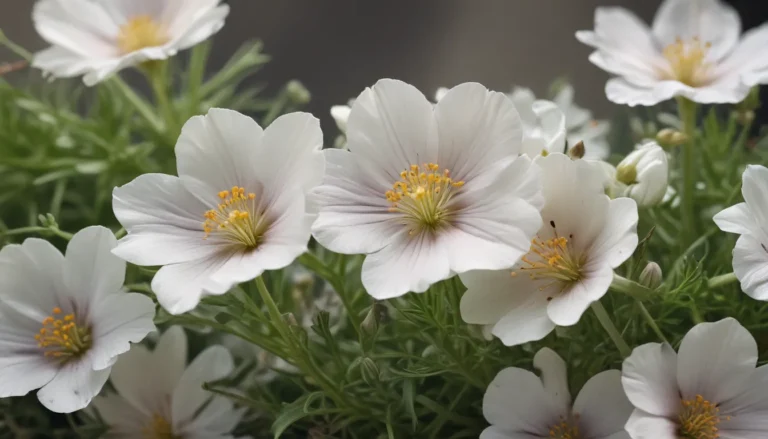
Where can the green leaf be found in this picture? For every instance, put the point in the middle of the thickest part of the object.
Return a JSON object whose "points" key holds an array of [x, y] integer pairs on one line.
{"points": [[296, 411]]}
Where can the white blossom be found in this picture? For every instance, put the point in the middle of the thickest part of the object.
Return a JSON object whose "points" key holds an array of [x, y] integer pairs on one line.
{"points": [[65, 319], [159, 396], [643, 175], [238, 207], [584, 236], [98, 38], [709, 389], [694, 50], [750, 220], [427, 191], [520, 405]]}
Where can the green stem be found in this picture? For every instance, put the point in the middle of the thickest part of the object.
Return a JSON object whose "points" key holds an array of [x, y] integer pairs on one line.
{"points": [[15, 48], [651, 322], [139, 104], [274, 312], [158, 77], [723, 279], [687, 111], [610, 328], [630, 288], [36, 229]]}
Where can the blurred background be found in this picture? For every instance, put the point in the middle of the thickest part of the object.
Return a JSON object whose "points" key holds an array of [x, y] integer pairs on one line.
{"points": [[338, 47]]}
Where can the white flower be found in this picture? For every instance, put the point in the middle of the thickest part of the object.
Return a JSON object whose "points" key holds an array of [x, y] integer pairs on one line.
{"points": [[65, 319], [427, 191], [340, 114], [693, 50], [644, 174], [236, 209], [97, 39], [159, 396], [570, 264], [709, 389], [750, 220], [542, 120], [520, 405]]}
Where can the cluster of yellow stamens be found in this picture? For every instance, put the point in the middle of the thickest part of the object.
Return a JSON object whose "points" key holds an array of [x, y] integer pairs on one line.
{"points": [[61, 337], [687, 61], [422, 195], [139, 33], [158, 428], [236, 218], [699, 419], [554, 259], [566, 429]]}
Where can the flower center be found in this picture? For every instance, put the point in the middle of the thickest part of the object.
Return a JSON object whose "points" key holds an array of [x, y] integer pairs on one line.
{"points": [[61, 337], [687, 61], [699, 419], [567, 428], [554, 258], [236, 219], [139, 33], [158, 428], [422, 195]]}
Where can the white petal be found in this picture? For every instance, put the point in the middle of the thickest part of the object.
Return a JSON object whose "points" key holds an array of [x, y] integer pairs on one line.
{"points": [[122, 11], [179, 287], [755, 191], [31, 277], [716, 360], [621, 91], [490, 296], [408, 263], [73, 387], [649, 377], [123, 419], [170, 357], [354, 213], [618, 239], [220, 150], [212, 364], [749, 410], [567, 307], [117, 320], [80, 26], [340, 114], [181, 15], [493, 432], [163, 220], [517, 402], [554, 375], [749, 58], [602, 405], [23, 367], [736, 219], [750, 264], [90, 269], [201, 29], [643, 425], [219, 417], [525, 322], [393, 124], [137, 387], [477, 128], [712, 21], [63, 63]]}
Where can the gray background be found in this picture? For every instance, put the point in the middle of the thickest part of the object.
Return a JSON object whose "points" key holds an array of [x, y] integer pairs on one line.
{"points": [[338, 47]]}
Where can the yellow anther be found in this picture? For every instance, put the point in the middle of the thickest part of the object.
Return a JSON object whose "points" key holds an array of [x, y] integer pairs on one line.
{"points": [[687, 61], [139, 33], [62, 337], [57, 310]]}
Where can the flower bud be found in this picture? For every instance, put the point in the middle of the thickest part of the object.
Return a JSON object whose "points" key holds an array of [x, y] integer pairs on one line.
{"points": [[577, 151], [627, 173], [369, 371], [376, 315], [297, 92], [645, 172], [651, 276], [669, 138]]}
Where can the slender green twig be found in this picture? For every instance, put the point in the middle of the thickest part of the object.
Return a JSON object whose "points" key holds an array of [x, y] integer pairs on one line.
{"points": [[722, 280], [651, 321], [610, 328]]}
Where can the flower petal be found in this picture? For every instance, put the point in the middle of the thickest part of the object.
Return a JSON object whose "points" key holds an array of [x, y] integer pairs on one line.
{"points": [[90, 270], [123, 419], [179, 287], [517, 402], [749, 410], [490, 295], [649, 377], [554, 375], [79, 26], [204, 25], [30, 277], [408, 263], [750, 264], [73, 387], [602, 405], [525, 322], [393, 125], [755, 191], [716, 360], [618, 239], [567, 307], [643, 425], [737, 219], [118, 320], [712, 21], [212, 364], [219, 417], [477, 128]]}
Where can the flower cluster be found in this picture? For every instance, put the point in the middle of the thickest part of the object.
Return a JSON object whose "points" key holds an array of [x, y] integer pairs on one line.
{"points": [[456, 266]]}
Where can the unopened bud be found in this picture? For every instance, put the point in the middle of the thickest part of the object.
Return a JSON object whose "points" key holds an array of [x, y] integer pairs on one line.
{"points": [[669, 138], [626, 174], [297, 92], [651, 276], [376, 315], [290, 319], [369, 371], [577, 151], [745, 117]]}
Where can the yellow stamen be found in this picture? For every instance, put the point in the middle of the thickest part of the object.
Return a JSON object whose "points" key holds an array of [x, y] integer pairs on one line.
{"points": [[238, 219], [63, 338], [422, 196], [158, 428], [567, 428], [555, 259], [687, 62], [139, 33], [699, 419]]}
